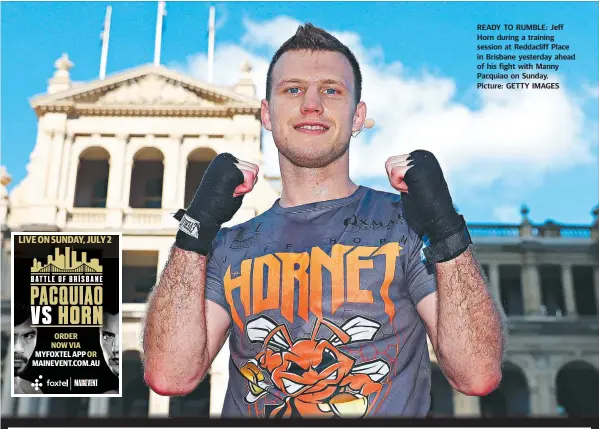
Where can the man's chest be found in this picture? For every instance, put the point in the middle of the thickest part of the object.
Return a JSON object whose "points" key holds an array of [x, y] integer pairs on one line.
{"points": [[297, 277]]}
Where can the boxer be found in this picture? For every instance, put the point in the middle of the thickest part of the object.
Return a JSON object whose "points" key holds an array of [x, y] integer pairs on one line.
{"points": [[328, 297]]}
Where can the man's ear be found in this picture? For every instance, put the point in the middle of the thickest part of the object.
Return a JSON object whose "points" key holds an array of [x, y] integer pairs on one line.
{"points": [[265, 115], [359, 117]]}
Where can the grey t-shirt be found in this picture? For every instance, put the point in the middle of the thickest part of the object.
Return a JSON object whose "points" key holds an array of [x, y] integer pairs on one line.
{"points": [[322, 299]]}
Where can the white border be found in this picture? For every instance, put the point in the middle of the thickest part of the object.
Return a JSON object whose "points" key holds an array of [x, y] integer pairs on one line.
{"points": [[12, 317]]}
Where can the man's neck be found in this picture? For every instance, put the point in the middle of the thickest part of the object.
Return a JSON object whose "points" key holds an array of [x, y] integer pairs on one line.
{"points": [[311, 185]]}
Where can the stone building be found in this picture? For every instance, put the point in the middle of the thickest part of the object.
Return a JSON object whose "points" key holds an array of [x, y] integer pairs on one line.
{"points": [[124, 153]]}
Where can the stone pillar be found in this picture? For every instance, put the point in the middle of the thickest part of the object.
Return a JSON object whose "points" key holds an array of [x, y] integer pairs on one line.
{"points": [[569, 293], [172, 169], [99, 407], [543, 398], [62, 184], [27, 407], [219, 380], [181, 178], [127, 171], [7, 399], [531, 286], [114, 198], [44, 407], [163, 255], [465, 406], [494, 280], [55, 166], [72, 179], [159, 405]]}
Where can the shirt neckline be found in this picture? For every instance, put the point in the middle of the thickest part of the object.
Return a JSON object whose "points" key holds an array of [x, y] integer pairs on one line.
{"points": [[319, 205]]}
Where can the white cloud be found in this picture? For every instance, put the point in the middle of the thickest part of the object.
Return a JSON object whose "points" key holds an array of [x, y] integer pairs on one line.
{"points": [[507, 214], [513, 138]]}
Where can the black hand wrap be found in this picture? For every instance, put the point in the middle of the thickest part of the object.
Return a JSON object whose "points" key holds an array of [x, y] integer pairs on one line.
{"points": [[429, 209], [212, 205]]}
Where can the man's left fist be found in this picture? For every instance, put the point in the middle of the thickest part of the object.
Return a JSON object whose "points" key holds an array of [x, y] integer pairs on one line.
{"points": [[428, 205]]}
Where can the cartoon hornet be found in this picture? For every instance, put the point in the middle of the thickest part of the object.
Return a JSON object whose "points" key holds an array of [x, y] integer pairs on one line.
{"points": [[317, 379]]}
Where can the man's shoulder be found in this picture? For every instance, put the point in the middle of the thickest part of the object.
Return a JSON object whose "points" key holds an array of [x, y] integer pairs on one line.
{"points": [[242, 232]]}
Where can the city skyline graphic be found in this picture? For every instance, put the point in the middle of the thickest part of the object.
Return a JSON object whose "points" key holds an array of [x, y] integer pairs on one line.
{"points": [[67, 263]]}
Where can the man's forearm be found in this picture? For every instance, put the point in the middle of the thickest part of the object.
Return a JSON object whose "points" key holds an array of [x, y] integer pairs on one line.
{"points": [[470, 326], [174, 338]]}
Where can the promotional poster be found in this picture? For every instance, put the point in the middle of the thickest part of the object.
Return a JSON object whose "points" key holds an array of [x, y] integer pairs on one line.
{"points": [[66, 314]]}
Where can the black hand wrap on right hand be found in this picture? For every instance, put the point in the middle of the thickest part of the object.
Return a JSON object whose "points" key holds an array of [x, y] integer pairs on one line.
{"points": [[212, 205]]}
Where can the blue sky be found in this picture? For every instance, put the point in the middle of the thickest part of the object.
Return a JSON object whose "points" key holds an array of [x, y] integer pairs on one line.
{"points": [[424, 53]]}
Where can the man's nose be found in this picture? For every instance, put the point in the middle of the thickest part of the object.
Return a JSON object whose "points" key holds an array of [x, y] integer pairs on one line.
{"points": [[19, 345], [115, 344], [312, 103]]}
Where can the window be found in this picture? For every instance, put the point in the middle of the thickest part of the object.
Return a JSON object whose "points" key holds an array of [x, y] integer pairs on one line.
{"points": [[153, 194], [584, 290], [552, 292], [510, 289]]}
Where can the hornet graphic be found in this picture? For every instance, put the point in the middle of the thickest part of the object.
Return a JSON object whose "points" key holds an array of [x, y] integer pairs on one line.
{"points": [[316, 378]]}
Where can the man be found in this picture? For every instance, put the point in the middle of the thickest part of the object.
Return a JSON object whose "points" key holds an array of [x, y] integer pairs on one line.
{"points": [[109, 340], [326, 298], [24, 340]]}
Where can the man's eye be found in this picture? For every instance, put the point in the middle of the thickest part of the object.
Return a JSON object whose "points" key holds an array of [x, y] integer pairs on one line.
{"points": [[293, 90], [30, 336], [331, 91]]}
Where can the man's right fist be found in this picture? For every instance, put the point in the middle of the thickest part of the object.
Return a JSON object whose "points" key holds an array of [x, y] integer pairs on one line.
{"points": [[215, 202]]}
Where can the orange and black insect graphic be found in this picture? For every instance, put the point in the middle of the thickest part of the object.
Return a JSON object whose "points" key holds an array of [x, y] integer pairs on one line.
{"points": [[316, 378]]}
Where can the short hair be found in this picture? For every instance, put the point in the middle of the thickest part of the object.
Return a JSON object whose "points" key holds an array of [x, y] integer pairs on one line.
{"points": [[311, 38], [22, 313]]}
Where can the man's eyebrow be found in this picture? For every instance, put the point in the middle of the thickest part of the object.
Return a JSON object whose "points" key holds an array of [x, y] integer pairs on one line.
{"points": [[33, 331], [303, 81]]}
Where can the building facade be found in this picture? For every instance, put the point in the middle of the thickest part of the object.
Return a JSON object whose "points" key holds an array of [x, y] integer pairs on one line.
{"points": [[126, 152]]}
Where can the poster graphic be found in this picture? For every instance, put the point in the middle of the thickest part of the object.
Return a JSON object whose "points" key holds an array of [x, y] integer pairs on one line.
{"points": [[66, 314]]}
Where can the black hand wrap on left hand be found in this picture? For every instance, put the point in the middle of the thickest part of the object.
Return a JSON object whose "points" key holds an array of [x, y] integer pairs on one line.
{"points": [[430, 211]]}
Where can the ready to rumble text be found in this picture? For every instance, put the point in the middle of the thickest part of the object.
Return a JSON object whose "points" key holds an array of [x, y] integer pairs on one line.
{"points": [[56, 302]]}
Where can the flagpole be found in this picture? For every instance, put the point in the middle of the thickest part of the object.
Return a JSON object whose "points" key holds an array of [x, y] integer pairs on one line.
{"points": [[158, 42], [211, 31], [105, 39]]}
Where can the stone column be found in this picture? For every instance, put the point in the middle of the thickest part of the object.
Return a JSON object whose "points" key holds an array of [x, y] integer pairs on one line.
{"points": [[172, 169], [543, 399], [127, 171], [72, 179], [114, 198], [219, 380], [55, 165], [27, 407], [163, 255], [465, 406], [99, 407], [531, 286], [181, 178], [494, 280], [569, 294], [159, 405], [66, 166], [7, 399], [44, 407]]}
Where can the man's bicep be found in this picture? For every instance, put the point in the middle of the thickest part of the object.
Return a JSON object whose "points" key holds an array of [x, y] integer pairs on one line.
{"points": [[218, 323], [427, 310]]}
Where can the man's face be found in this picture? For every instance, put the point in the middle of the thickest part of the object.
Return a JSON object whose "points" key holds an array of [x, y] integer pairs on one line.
{"points": [[109, 339], [24, 343], [312, 110]]}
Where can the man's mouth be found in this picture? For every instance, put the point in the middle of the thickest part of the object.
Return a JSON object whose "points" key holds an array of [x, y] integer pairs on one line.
{"points": [[311, 127], [114, 361]]}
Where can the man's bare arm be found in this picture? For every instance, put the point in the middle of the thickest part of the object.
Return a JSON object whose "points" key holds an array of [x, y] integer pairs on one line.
{"points": [[466, 326], [178, 343]]}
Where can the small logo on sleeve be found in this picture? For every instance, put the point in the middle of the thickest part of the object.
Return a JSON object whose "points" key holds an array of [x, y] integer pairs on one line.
{"points": [[190, 226]]}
